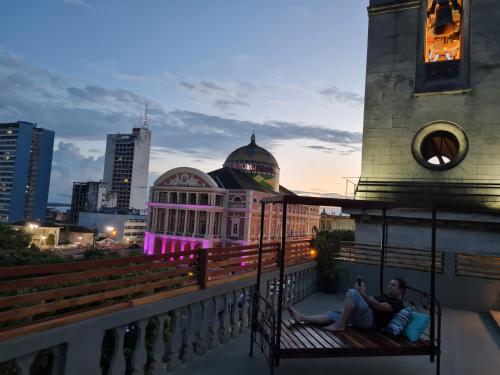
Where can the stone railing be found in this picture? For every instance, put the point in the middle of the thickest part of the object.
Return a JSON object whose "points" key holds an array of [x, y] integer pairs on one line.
{"points": [[152, 337]]}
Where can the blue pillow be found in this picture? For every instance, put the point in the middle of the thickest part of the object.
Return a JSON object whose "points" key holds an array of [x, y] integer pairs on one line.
{"points": [[399, 322], [417, 326]]}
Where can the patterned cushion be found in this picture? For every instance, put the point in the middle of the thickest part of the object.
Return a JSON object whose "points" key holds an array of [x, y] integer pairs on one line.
{"points": [[399, 322]]}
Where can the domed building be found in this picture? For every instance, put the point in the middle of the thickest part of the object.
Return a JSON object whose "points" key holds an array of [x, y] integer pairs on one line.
{"points": [[190, 209], [256, 162]]}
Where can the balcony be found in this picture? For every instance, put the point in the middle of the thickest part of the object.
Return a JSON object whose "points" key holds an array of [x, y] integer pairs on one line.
{"points": [[194, 319]]}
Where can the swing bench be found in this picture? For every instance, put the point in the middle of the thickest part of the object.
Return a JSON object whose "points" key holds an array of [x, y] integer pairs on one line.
{"points": [[280, 338]]}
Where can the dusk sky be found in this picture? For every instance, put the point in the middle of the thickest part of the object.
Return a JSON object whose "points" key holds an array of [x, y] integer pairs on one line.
{"points": [[211, 71]]}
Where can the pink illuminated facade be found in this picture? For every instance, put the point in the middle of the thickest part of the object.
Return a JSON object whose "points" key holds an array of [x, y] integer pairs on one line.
{"points": [[191, 209]]}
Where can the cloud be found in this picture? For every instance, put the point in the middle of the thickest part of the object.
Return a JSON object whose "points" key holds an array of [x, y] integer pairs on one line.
{"points": [[335, 95], [318, 194], [80, 3], [70, 165], [343, 149], [79, 112], [225, 96]]}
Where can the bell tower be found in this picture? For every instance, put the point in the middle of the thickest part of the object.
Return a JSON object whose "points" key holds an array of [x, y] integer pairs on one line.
{"points": [[431, 130], [432, 103]]}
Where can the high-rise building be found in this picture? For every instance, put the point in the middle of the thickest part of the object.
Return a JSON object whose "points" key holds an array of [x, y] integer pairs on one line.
{"points": [[91, 196], [25, 165], [126, 167]]}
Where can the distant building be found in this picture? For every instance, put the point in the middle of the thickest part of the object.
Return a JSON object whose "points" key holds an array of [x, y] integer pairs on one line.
{"points": [[331, 222], [126, 167], [25, 166], [91, 196], [44, 235], [76, 235], [191, 209], [126, 228]]}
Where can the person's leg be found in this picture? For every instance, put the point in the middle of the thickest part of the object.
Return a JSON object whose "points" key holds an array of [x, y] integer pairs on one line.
{"points": [[313, 319], [354, 307], [340, 324]]}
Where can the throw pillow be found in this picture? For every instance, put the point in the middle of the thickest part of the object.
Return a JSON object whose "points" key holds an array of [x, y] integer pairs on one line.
{"points": [[417, 326], [399, 322]]}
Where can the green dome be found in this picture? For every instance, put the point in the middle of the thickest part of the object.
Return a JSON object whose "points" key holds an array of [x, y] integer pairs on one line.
{"points": [[257, 163], [251, 154]]}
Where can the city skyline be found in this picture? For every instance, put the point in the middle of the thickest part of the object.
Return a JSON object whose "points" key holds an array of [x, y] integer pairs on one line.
{"points": [[211, 74]]}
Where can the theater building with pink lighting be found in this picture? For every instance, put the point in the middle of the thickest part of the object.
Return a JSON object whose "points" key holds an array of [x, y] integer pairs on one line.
{"points": [[190, 209]]}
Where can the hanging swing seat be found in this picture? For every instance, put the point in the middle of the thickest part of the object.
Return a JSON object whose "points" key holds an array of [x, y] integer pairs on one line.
{"points": [[307, 341], [279, 338]]}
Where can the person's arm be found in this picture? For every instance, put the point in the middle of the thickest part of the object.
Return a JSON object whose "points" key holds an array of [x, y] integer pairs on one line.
{"points": [[374, 304]]}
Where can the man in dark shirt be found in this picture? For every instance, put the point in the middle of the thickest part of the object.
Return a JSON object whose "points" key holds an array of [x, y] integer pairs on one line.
{"points": [[360, 309]]}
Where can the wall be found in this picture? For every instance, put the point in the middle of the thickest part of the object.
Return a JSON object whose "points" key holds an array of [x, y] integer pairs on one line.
{"points": [[459, 292]]}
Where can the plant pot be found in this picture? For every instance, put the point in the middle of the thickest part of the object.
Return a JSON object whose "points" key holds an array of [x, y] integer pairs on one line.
{"points": [[330, 284]]}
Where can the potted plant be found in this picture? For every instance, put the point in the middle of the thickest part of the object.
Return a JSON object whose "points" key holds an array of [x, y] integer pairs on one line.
{"points": [[327, 244]]}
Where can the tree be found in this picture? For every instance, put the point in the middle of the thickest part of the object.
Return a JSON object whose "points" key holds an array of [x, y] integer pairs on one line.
{"points": [[328, 244], [51, 240], [11, 239], [15, 249]]}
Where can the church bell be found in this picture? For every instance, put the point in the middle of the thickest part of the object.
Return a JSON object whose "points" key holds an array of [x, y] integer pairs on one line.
{"points": [[444, 25]]}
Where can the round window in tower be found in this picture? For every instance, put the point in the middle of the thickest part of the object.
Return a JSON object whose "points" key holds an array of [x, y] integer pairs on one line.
{"points": [[440, 145]]}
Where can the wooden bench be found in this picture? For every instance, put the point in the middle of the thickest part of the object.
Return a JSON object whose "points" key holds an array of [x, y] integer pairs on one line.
{"points": [[305, 340]]}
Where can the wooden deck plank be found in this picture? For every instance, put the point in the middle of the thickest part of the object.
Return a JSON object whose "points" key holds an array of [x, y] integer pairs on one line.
{"points": [[318, 337], [292, 339], [335, 342], [302, 329], [304, 342]]}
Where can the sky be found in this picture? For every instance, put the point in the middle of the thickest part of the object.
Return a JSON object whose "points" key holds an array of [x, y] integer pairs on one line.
{"points": [[212, 72]]}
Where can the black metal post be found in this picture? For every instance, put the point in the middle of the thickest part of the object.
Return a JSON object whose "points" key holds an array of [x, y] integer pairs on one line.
{"points": [[433, 284], [256, 293], [281, 281], [382, 253]]}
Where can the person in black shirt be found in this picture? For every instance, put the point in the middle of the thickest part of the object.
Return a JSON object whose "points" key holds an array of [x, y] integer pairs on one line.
{"points": [[360, 309]]}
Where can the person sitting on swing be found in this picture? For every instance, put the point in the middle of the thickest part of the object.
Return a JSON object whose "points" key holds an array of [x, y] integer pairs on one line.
{"points": [[360, 310]]}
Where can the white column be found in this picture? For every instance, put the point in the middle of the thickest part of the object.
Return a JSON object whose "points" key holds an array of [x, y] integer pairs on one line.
{"points": [[176, 221], [186, 215], [196, 216], [167, 218]]}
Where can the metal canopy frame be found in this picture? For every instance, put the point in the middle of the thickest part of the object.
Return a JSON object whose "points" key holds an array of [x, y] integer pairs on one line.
{"points": [[383, 206]]}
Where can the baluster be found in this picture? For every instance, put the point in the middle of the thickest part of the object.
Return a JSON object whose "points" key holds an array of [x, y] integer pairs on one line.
{"points": [[193, 312], [293, 288], [276, 292], [226, 319], [300, 285], [216, 306], [57, 360], [288, 291], [235, 314], [118, 364], [308, 283], [175, 342], [140, 356], [268, 290], [246, 310], [24, 363], [201, 342], [158, 350]]}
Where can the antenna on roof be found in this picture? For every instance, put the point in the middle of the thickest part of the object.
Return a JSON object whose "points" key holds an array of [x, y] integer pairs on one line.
{"points": [[145, 123]]}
